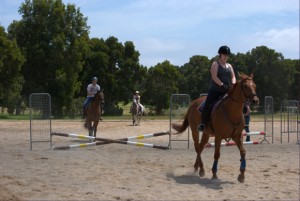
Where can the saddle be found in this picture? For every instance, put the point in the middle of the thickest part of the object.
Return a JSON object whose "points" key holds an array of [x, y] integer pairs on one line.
{"points": [[213, 106], [211, 110]]}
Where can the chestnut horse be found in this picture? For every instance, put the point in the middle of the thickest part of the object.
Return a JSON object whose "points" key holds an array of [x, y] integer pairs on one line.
{"points": [[226, 122], [93, 113]]}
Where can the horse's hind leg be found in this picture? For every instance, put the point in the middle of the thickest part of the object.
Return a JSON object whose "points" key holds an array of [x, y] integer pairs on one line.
{"points": [[202, 144], [195, 134], [239, 143], [197, 161]]}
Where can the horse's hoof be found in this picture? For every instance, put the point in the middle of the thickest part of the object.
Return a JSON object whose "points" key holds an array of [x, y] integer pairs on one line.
{"points": [[241, 178], [214, 176], [201, 173]]}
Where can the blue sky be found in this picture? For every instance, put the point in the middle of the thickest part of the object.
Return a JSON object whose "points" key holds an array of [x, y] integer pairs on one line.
{"points": [[176, 30]]}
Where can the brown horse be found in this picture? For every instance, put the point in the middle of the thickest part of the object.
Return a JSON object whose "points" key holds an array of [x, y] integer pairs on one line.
{"points": [[94, 111], [226, 122]]}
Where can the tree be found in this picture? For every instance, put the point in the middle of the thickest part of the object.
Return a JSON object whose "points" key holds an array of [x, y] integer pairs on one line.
{"points": [[195, 77], [294, 92], [11, 80], [240, 63], [118, 69], [162, 83], [272, 75], [53, 37]]}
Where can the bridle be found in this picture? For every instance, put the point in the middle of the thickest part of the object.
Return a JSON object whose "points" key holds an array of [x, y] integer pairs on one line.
{"points": [[249, 96]]}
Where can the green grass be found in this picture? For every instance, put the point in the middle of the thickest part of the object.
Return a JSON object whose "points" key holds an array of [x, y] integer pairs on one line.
{"points": [[14, 117]]}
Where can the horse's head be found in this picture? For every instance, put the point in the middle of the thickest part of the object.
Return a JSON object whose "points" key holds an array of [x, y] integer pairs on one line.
{"points": [[99, 97], [249, 88]]}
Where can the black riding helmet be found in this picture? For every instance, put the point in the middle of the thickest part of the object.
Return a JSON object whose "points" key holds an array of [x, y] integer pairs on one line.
{"points": [[224, 50]]}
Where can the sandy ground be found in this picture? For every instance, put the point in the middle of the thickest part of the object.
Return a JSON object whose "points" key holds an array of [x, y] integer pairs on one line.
{"points": [[125, 172]]}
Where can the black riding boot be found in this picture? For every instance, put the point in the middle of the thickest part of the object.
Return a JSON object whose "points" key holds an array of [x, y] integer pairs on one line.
{"points": [[204, 119]]}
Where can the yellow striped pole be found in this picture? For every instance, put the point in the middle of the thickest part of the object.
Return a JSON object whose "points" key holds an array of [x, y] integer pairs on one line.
{"points": [[100, 141], [80, 136], [138, 144]]}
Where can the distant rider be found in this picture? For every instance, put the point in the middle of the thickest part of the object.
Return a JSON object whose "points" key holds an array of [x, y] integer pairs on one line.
{"points": [[92, 89], [137, 100]]}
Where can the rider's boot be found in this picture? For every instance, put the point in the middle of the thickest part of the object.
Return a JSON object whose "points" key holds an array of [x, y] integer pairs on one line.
{"points": [[204, 118]]}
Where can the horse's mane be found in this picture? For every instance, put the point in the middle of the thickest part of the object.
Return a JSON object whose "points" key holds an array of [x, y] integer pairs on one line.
{"points": [[242, 78], [94, 98]]}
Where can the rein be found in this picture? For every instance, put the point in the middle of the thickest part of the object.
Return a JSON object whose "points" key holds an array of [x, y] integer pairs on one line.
{"points": [[236, 125]]}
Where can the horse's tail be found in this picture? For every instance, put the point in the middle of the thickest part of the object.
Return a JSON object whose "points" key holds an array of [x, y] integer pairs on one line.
{"points": [[85, 125], [181, 127], [192, 111]]}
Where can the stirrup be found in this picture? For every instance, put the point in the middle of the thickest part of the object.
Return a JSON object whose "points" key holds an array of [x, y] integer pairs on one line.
{"points": [[201, 127]]}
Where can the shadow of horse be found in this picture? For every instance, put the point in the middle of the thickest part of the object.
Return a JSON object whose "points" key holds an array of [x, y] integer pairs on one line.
{"points": [[215, 184]]}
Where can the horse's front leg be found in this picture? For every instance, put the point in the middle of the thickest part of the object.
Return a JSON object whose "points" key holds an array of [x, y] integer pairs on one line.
{"points": [[91, 130], [87, 125], [133, 119], [240, 145], [214, 169], [95, 126]]}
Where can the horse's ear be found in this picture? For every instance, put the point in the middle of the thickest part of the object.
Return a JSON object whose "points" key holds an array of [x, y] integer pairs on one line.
{"points": [[251, 75]]}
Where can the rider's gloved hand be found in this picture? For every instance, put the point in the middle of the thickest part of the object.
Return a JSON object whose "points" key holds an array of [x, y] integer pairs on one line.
{"points": [[225, 87]]}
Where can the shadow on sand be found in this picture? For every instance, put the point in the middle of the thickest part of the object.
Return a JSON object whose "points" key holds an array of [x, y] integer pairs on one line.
{"points": [[216, 184]]}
